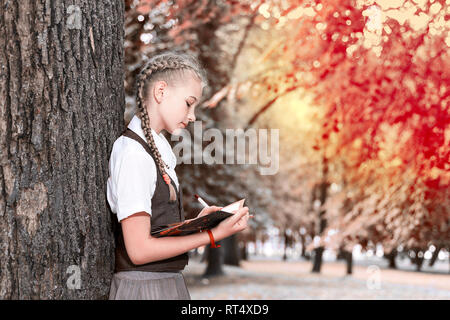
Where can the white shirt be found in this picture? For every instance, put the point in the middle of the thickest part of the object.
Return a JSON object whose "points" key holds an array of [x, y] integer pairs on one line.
{"points": [[132, 172]]}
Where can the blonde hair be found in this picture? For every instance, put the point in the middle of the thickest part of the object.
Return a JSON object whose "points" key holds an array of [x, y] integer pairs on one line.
{"points": [[172, 68]]}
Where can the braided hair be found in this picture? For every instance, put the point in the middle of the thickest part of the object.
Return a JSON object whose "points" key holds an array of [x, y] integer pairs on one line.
{"points": [[170, 67]]}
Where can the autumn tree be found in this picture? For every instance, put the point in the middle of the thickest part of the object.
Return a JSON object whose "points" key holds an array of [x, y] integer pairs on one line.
{"points": [[376, 74], [379, 73], [386, 117]]}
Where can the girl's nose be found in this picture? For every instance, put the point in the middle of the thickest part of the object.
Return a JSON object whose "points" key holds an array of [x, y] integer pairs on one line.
{"points": [[191, 117]]}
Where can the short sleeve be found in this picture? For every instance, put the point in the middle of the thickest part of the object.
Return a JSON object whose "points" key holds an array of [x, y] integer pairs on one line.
{"points": [[136, 182]]}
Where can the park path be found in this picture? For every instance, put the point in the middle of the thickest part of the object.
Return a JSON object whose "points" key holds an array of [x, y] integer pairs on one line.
{"points": [[274, 279]]}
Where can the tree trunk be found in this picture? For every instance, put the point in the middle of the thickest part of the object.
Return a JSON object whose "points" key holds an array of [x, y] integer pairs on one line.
{"points": [[319, 251], [214, 257], [435, 256], [418, 261], [260, 248], [323, 188], [317, 264], [231, 251], [286, 243], [391, 259], [348, 256], [244, 250], [304, 255], [61, 108]]}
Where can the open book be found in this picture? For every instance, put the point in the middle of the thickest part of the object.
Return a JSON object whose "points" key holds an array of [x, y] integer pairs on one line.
{"points": [[198, 224]]}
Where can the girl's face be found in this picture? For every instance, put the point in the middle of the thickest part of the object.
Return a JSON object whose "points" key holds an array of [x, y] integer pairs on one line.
{"points": [[176, 107]]}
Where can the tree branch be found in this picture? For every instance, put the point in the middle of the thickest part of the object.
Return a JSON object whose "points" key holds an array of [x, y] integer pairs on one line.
{"points": [[268, 105]]}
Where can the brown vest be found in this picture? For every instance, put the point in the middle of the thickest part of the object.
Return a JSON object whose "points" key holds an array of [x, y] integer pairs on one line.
{"points": [[164, 211]]}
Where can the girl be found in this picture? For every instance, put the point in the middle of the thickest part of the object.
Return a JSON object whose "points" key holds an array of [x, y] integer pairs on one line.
{"points": [[143, 189]]}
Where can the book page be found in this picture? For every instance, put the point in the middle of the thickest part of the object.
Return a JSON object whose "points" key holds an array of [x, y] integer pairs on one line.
{"points": [[234, 206]]}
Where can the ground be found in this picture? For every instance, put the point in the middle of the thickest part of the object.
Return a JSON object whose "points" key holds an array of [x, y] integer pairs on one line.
{"points": [[269, 278]]}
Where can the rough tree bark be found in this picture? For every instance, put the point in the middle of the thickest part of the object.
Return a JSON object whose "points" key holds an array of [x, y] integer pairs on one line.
{"points": [[61, 108]]}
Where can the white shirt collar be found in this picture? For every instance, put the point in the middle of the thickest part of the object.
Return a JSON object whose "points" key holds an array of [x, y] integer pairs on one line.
{"points": [[160, 140]]}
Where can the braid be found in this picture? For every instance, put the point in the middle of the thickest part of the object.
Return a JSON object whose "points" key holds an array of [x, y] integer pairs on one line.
{"points": [[168, 61]]}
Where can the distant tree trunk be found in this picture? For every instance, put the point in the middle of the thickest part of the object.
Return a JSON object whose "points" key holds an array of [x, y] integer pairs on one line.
{"points": [[348, 256], [323, 187], [61, 108], [317, 263], [319, 251], [418, 261], [260, 248], [302, 242], [243, 247], [340, 255], [391, 259], [286, 244], [435, 256], [214, 258], [303, 254], [231, 249]]}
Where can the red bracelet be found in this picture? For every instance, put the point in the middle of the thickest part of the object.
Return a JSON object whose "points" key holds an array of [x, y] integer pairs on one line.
{"points": [[213, 244]]}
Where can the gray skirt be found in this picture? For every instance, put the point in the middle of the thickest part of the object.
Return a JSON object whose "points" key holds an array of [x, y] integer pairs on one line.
{"points": [[143, 285]]}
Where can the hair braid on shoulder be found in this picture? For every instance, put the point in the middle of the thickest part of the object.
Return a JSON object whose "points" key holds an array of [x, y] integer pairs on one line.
{"points": [[143, 77]]}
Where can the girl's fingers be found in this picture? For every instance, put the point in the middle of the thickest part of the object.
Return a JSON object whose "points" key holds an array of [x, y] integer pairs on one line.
{"points": [[213, 209], [243, 221], [207, 210], [239, 214]]}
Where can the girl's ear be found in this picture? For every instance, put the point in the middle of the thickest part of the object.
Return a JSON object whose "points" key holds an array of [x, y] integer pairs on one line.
{"points": [[159, 90]]}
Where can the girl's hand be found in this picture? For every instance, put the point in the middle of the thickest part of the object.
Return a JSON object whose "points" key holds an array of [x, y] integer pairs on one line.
{"points": [[231, 225], [208, 210]]}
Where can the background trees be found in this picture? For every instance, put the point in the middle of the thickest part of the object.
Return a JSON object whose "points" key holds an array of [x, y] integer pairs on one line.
{"points": [[366, 83]]}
